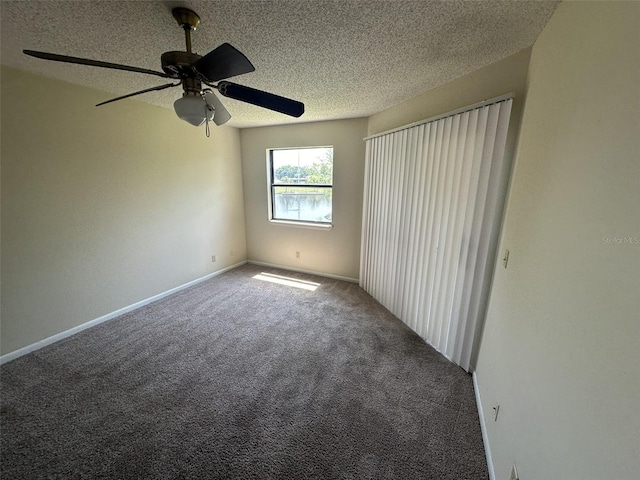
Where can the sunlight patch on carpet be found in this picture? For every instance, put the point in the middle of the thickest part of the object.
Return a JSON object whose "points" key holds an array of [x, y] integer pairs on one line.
{"points": [[288, 281]]}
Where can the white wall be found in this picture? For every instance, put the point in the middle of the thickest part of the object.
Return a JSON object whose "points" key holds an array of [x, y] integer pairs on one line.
{"points": [[333, 252], [105, 207], [561, 347]]}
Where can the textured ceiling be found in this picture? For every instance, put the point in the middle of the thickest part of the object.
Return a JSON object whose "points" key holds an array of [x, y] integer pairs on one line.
{"points": [[343, 59]]}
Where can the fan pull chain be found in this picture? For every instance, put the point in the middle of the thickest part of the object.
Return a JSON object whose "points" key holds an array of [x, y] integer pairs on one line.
{"points": [[208, 109]]}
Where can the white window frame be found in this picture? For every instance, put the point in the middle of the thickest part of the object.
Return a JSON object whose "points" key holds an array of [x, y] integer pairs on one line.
{"points": [[270, 193]]}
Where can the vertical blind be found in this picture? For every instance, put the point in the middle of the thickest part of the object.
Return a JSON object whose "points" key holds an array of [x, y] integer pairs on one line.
{"points": [[432, 209]]}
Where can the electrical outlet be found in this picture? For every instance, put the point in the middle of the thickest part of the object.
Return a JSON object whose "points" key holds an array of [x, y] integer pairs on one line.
{"points": [[514, 473], [298, 255], [505, 260], [496, 409], [213, 259]]}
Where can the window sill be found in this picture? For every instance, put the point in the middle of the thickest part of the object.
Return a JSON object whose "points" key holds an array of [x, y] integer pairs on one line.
{"points": [[317, 226]]}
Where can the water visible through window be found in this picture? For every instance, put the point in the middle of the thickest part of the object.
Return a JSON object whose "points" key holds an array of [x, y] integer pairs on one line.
{"points": [[302, 184]]}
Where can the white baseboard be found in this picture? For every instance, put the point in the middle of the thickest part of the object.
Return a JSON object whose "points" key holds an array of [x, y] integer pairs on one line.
{"points": [[483, 427], [301, 270], [92, 323]]}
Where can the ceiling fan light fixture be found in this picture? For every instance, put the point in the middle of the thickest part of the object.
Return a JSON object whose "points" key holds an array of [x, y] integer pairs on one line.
{"points": [[193, 109], [221, 115]]}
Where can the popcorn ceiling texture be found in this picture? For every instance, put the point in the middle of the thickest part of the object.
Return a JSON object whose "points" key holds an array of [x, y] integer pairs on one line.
{"points": [[343, 59]]}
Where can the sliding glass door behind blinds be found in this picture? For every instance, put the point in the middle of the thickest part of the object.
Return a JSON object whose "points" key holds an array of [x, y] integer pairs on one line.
{"points": [[432, 204]]}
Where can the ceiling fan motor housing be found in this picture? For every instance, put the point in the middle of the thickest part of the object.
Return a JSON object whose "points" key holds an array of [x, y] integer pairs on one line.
{"points": [[179, 64]]}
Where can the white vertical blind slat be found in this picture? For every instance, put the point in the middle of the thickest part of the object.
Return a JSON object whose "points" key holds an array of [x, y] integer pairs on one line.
{"points": [[430, 220], [424, 319], [424, 237], [486, 151], [464, 270], [366, 221], [447, 239], [437, 233], [417, 139], [487, 236], [405, 232], [396, 226], [415, 281], [458, 191]]}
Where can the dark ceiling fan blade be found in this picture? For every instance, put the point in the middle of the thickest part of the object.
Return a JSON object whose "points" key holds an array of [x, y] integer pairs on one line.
{"points": [[160, 87], [223, 62], [94, 63], [261, 99]]}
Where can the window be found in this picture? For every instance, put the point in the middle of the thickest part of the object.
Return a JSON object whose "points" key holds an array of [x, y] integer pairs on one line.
{"points": [[301, 184]]}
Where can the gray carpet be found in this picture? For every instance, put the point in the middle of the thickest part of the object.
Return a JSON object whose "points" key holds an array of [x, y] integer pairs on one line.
{"points": [[243, 379]]}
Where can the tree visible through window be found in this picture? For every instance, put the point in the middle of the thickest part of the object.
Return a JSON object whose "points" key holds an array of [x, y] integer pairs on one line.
{"points": [[301, 184]]}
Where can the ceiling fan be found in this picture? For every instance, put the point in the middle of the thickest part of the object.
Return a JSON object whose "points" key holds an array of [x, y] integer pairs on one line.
{"points": [[197, 105]]}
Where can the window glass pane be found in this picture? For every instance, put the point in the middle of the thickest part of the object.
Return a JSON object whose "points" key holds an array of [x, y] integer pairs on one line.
{"points": [[303, 166], [308, 204]]}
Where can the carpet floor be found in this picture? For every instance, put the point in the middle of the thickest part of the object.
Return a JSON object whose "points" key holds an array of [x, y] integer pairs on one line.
{"points": [[240, 377]]}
